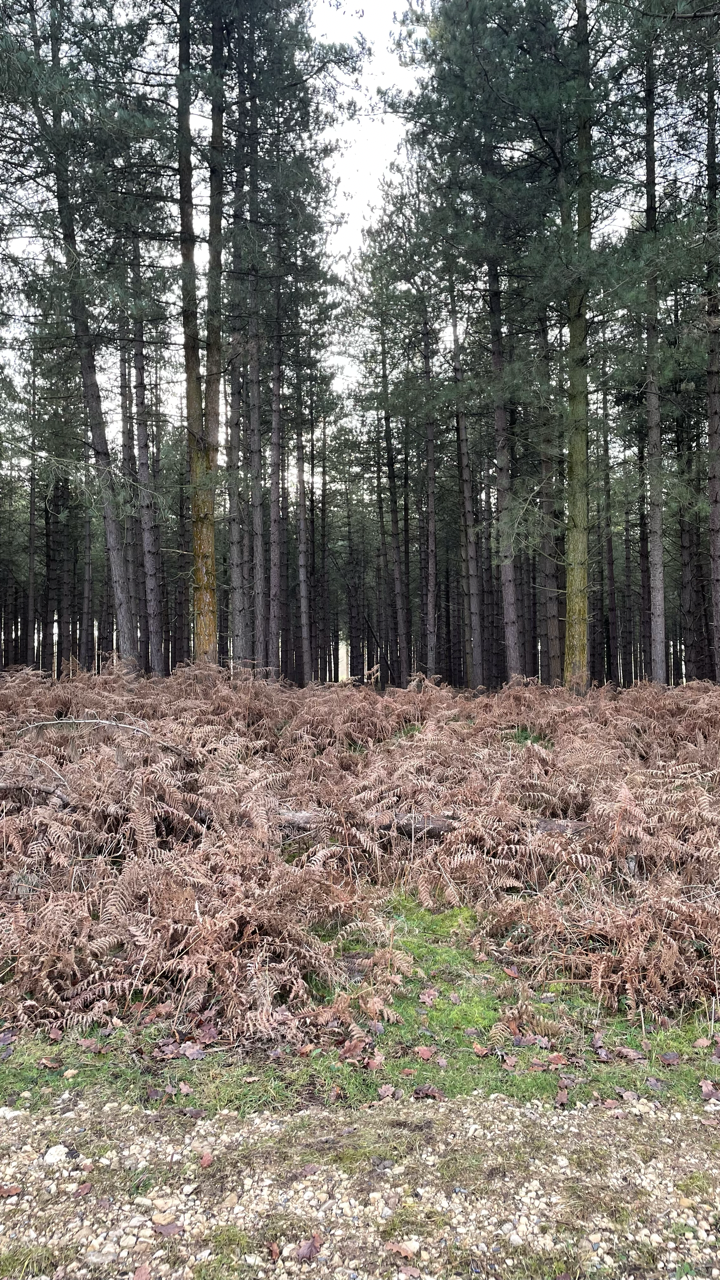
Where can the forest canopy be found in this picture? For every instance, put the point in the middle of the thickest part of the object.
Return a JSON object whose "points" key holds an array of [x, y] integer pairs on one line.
{"points": [[519, 476]]}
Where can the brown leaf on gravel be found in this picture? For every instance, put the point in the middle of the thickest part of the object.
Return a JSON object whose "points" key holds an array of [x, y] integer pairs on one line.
{"points": [[480, 1050], [273, 1249], [142, 1272], [405, 1249], [424, 1051], [309, 1249], [309, 1169], [12, 1190], [206, 1160], [167, 1228], [407, 1270], [712, 1124], [83, 1189]]}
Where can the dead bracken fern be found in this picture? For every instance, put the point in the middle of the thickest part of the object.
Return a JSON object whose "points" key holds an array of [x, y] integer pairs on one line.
{"points": [[201, 857]]}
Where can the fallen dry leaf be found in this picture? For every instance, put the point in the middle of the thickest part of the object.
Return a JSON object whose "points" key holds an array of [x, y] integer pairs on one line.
{"points": [[50, 1063], [630, 1055], [562, 1097], [557, 1060], [702, 1043], [407, 1270], [406, 1249], [429, 1091], [206, 1160], [454, 997], [273, 1249], [84, 1189], [309, 1249], [374, 1064], [334, 1093], [305, 1050], [509, 1061], [385, 1091], [55, 1033], [91, 1045], [251, 1079], [185, 1088], [428, 996], [480, 1050], [408, 1071], [441, 1062], [709, 1091], [70, 1075], [143, 1272], [424, 1051], [167, 1228], [11, 1190], [511, 970], [670, 1059]]}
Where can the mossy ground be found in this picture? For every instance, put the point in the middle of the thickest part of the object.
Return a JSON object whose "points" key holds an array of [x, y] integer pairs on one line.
{"points": [[470, 1000]]}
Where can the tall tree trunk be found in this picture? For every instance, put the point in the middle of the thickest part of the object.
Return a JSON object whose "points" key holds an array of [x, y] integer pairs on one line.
{"points": [[477, 675], [576, 625], [394, 520], [548, 555], [32, 535], [504, 483], [652, 393], [256, 460], [645, 627], [148, 519], [431, 579], [127, 639], [275, 456], [609, 554], [713, 353], [389, 613], [205, 608], [303, 585], [323, 600]]}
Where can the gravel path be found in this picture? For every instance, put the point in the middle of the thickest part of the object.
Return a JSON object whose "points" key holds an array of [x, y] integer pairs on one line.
{"points": [[474, 1186]]}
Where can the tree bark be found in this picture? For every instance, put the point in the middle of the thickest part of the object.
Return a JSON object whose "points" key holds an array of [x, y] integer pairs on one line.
{"points": [[576, 626], [548, 556], [652, 394], [199, 445], [477, 675], [504, 482], [148, 518], [275, 456], [394, 520], [431, 579], [303, 585], [713, 354]]}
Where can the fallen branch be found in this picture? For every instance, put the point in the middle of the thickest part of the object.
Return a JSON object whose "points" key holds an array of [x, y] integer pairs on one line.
{"points": [[65, 722]]}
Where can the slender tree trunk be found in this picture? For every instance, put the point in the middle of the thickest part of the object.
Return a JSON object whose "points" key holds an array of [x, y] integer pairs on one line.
{"points": [[32, 535], [148, 519], [477, 675], [431, 603], [713, 353], [303, 586], [652, 394], [205, 606], [609, 554], [323, 600], [394, 521], [275, 456], [504, 482], [576, 626], [256, 460], [390, 614], [548, 555]]}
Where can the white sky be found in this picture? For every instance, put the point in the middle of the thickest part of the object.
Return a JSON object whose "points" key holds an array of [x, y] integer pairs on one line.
{"points": [[371, 140]]}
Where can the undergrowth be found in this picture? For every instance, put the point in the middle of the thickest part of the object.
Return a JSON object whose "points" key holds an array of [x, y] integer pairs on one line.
{"points": [[224, 849]]}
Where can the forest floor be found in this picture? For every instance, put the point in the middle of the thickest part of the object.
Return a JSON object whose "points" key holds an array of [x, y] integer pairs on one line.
{"points": [[324, 981]]}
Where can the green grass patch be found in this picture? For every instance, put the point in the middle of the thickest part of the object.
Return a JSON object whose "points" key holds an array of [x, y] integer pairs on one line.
{"points": [[18, 1262], [471, 998]]}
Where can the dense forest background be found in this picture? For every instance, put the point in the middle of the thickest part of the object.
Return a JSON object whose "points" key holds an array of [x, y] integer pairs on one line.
{"points": [[489, 446]]}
